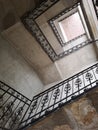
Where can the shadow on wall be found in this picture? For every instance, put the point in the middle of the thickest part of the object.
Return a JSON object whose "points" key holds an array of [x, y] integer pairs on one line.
{"points": [[9, 20]]}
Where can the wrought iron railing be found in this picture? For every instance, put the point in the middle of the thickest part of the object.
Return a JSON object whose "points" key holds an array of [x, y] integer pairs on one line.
{"points": [[61, 94], [13, 105], [18, 112]]}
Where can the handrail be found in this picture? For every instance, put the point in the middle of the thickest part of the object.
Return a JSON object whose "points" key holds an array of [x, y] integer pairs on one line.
{"points": [[13, 105], [15, 90], [63, 81], [18, 112], [61, 94]]}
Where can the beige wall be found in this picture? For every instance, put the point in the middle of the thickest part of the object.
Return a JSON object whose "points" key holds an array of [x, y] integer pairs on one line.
{"points": [[30, 49], [77, 61], [74, 63], [15, 72]]}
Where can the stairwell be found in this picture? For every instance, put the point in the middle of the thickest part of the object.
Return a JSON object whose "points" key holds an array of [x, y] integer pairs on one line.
{"points": [[71, 104]]}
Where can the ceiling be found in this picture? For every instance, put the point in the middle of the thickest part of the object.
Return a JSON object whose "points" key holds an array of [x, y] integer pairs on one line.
{"points": [[12, 10]]}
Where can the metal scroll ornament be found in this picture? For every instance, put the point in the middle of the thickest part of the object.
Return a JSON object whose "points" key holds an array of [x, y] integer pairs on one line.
{"points": [[44, 100], [56, 94], [89, 76], [67, 88], [78, 82]]}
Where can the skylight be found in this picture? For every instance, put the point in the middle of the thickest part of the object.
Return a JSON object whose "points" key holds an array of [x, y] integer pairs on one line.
{"points": [[71, 27]]}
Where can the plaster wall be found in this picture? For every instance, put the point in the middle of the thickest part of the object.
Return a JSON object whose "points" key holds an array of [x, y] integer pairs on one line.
{"points": [[74, 63], [77, 61], [15, 72], [30, 49]]}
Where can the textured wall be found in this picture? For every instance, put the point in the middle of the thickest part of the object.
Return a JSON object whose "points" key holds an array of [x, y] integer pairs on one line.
{"points": [[30, 49], [16, 72], [77, 61]]}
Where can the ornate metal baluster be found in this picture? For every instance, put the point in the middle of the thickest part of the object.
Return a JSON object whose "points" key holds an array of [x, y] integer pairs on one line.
{"points": [[32, 108], [38, 105], [50, 97], [97, 70], [11, 114], [56, 94], [78, 84], [17, 117], [89, 77], [94, 73], [67, 90], [7, 108], [62, 85], [43, 102], [8, 98]]}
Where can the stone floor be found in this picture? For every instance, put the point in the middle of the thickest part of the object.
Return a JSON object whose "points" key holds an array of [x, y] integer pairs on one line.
{"points": [[79, 115]]}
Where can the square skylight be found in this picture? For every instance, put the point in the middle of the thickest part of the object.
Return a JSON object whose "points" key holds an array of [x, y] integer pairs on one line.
{"points": [[71, 27]]}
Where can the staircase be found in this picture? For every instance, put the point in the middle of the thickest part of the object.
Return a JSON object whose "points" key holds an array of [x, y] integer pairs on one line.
{"points": [[17, 112]]}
